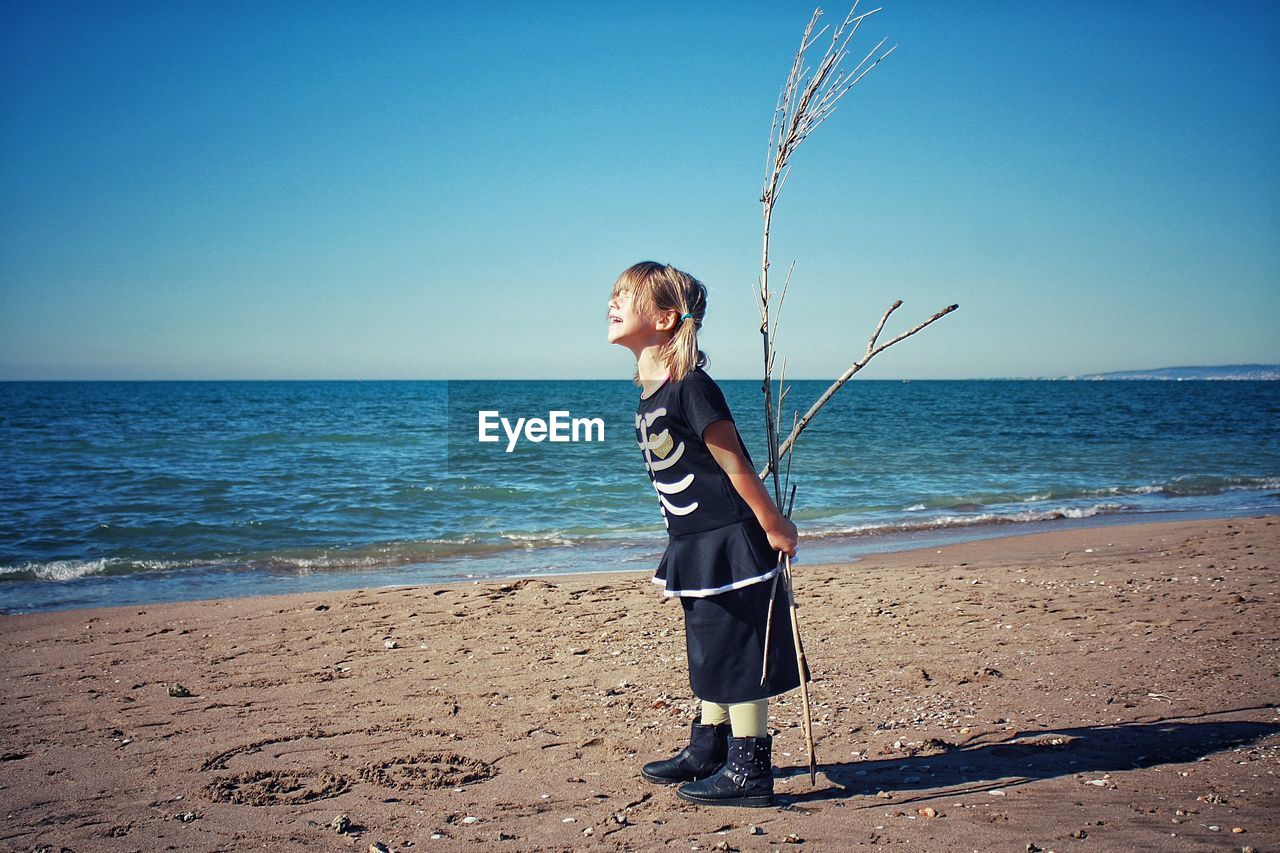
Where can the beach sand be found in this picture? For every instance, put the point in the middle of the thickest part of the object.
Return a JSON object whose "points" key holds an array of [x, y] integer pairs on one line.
{"points": [[1087, 689]]}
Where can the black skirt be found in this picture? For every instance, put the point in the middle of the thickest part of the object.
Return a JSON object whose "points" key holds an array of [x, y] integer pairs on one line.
{"points": [[724, 636], [712, 562]]}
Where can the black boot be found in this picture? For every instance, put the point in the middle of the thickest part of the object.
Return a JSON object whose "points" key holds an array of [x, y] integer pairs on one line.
{"points": [[745, 780], [703, 756]]}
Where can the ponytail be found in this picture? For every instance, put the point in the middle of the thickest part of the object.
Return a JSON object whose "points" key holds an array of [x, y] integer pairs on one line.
{"points": [[682, 354]]}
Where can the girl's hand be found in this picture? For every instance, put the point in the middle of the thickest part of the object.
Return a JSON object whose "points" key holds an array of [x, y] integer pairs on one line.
{"points": [[783, 535]]}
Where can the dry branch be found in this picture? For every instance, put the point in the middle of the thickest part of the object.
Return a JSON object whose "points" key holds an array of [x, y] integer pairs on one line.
{"points": [[807, 99], [785, 447]]}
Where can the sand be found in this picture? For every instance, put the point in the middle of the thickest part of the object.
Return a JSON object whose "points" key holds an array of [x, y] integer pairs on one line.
{"points": [[1086, 689]]}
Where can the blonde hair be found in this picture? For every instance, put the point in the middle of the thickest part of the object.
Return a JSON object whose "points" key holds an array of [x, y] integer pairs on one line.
{"points": [[657, 288]]}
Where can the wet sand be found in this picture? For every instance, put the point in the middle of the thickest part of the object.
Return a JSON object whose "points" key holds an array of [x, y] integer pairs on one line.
{"points": [[1087, 689]]}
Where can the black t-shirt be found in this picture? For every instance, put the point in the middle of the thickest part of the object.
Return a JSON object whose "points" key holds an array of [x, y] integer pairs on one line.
{"points": [[694, 492]]}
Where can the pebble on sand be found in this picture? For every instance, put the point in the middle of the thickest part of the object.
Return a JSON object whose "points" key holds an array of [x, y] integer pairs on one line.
{"points": [[178, 691]]}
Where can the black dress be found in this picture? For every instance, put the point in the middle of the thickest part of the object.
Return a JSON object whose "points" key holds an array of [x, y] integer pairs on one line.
{"points": [[718, 559]]}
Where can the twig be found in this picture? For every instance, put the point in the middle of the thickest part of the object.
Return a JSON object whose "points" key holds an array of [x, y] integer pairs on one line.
{"points": [[773, 592], [803, 664], [768, 620], [777, 312], [872, 351], [786, 479], [782, 395]]}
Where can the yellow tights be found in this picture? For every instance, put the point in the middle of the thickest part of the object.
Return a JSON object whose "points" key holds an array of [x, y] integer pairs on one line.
{"points": [[747, 719]]}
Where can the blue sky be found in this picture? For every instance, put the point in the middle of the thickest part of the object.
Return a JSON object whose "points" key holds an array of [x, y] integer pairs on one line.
{"points": [[420, 190]]}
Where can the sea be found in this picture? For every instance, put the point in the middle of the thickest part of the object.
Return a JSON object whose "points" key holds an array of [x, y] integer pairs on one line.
{"points": [[115, 493]]}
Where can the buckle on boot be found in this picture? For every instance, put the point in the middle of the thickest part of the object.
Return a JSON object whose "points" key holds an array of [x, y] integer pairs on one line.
{"points": [[739, 779]]}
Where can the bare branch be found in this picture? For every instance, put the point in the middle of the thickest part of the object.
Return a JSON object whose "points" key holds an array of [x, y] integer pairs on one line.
{"points": [[872, 352], [790, 454], [880, 326], [782, 297], [810, 94], [944, 312], [782, 395], [874, 64]]}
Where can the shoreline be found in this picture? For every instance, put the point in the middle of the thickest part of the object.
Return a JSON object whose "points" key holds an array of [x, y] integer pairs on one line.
{"points": [[181, 585], [1114, 683]]}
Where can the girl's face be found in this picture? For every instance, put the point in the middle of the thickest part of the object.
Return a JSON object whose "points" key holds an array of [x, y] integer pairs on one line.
{"points": [[626, 324], [629, 327]]}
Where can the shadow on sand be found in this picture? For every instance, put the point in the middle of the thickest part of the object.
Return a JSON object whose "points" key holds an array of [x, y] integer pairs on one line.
{"points": [[1032, 756]]}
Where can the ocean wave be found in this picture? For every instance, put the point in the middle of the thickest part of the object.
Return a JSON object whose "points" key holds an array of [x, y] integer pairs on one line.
{"points": [[54, 570], [71, 570], [380, 555], [948, 521], [324, 562], [1195, 486], [374, 557], [1190, 485], [479, 546], [534, 540]]}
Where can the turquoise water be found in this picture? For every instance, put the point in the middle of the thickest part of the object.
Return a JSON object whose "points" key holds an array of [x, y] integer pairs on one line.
{"points": [[127, 492]]}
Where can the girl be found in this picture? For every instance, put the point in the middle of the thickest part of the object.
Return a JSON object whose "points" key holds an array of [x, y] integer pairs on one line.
{"points": [[725, 535]]}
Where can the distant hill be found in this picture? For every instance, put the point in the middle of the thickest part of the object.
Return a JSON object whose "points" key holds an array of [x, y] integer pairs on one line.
{"points": [[1224, 371]]}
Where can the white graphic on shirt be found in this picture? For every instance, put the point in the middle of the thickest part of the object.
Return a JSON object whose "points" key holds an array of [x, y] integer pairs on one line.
{"points": [[665, 489], [659, 455]]}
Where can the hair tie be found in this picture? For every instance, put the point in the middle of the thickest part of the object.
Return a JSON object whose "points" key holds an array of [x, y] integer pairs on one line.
{"points": [[684, 317]]}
